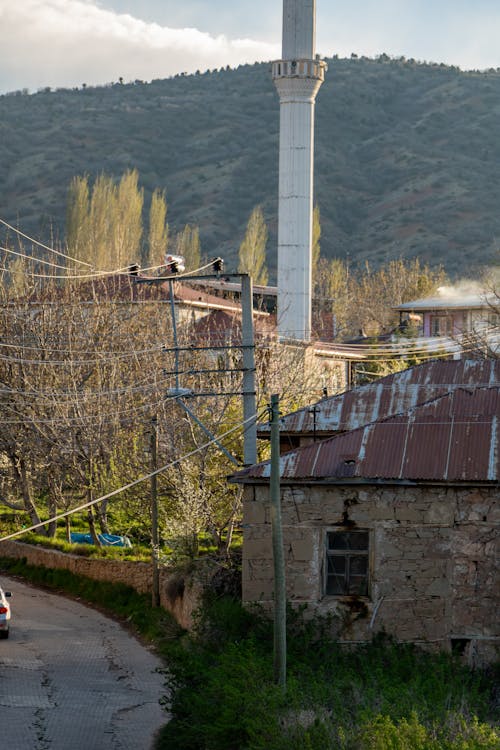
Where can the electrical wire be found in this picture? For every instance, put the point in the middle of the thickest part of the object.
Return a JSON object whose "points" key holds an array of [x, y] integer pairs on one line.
{"points": [[85, 395], [95, 274], [54, 519], [89, 419], [40, 244], [71, 362], [30, 257]]}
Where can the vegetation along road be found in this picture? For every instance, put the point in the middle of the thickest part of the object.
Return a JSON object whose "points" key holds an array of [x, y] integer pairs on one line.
{"points": [[71, 678]]}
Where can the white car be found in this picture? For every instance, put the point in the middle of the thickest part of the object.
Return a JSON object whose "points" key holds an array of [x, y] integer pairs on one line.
{"points": [[4, 613]]}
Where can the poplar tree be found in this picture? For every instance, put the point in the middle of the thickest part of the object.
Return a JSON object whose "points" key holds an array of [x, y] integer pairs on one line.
{"points": [[158, 230], [316, 236], [103, 203], [252, 253], [126, 220], [77, 217], [188, 245]]}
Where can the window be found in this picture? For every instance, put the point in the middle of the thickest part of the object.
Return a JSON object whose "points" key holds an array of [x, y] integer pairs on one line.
{"points": [[347, 563], [441, 325]]}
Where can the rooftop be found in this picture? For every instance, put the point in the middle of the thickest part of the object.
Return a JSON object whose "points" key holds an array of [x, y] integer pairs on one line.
{"points": [[392, 394], [452, 438], [451, 300]]}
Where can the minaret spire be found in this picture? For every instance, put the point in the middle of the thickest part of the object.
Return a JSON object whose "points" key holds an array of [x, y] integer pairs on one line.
{"points": [[297, 78]]}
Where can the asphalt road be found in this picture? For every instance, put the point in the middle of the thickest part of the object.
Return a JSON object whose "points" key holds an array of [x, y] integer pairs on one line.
{"points": [[71, 679]]}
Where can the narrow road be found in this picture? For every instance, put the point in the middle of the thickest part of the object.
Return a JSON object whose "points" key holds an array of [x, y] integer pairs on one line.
{"points": [[71, 679]]}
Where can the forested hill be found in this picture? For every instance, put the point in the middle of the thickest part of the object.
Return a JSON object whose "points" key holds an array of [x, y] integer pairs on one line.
{"points": [[407, 156]]}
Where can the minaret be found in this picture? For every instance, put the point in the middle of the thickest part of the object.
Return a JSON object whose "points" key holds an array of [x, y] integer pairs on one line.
{"points": [[297, 78]]}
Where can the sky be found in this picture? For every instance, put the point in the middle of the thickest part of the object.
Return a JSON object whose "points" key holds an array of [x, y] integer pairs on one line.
{"points": [[65, 43]]}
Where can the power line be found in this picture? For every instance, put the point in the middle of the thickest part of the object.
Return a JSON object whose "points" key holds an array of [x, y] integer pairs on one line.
{"points": [[40, 244], [128, 486], [30, 257]]}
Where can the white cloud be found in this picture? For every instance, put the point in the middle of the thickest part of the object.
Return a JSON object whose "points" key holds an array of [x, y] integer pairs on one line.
{"points": [[69, 42]]}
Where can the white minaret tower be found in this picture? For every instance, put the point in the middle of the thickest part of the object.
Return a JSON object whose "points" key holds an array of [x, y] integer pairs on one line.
{"points": [[297, 78]]}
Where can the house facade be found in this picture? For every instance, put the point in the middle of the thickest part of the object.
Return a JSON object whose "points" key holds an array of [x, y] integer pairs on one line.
{"points": [[390, 527], [454, 323]]}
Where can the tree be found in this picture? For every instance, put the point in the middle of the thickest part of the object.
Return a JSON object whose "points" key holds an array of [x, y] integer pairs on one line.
{"points": [[316, 236], [102, 220], [363, 300], [77, 217], [252, 252], [374, 294], [127, 220], [104, 223], [187, 244], [158, 229]]}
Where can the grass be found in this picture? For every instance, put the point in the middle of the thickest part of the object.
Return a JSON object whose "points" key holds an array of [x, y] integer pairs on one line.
{"points": [[222, 696], [137, 553], [381, 696]]}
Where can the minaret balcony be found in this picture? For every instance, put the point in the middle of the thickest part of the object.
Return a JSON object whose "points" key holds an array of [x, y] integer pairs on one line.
{"points": [[299, 69]]}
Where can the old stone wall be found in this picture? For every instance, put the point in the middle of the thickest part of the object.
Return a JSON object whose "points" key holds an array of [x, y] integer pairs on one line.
{"points": [[433, 560], [178, 594]]}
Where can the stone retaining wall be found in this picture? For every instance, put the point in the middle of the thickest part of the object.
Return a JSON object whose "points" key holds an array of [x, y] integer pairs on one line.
{"points": [[177, 595]]}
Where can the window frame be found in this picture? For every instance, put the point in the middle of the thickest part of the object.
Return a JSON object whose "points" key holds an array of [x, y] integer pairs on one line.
{"points": [[347, 554], [441, 324]]}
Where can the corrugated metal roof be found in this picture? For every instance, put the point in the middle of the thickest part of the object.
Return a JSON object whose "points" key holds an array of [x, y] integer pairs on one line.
{"points": [[392, 394], [451, 302], [452, 438]]}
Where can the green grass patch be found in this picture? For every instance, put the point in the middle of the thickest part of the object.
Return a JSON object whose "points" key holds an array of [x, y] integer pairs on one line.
{"points": [[137, 553]]}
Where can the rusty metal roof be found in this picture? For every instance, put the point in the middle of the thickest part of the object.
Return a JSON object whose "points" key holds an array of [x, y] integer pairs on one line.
{"points": [[452, 438], [392, 394]]}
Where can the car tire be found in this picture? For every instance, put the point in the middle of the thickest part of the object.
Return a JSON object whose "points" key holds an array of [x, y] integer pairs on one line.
{"points": [[4, 634]]}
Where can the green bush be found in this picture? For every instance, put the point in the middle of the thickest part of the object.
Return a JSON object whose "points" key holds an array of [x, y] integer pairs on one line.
{"points": [[381, 696]]}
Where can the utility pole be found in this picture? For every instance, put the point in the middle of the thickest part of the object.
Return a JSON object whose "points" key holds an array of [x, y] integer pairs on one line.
{"points": [[155, 542], [248, 390], [248, 344], [278, 554]]}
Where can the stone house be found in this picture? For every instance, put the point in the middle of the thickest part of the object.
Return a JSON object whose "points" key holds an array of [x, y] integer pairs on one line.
{"points": [[392, 526]]}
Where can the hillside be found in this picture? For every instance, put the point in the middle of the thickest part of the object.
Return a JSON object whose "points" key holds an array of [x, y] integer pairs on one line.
{"points": [[407, 156]]}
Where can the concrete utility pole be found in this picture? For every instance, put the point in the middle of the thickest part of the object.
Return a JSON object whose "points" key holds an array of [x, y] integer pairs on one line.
{"points": [[249, 397], [278, 552], [297, 78], [155, 541]]}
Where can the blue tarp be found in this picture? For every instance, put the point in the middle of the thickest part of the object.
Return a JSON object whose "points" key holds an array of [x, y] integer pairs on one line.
{"points": [[107, 540]]}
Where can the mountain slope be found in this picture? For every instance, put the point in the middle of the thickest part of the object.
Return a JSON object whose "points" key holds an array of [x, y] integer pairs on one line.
{"points": [[407, 156]]}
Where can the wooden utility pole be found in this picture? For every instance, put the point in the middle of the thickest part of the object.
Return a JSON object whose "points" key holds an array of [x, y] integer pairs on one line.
{"points": [[278, 554], [155, 542]]}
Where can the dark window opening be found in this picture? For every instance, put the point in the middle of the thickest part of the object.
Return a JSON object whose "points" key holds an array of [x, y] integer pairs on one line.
{"points": [[347, 563], [458, 645]]}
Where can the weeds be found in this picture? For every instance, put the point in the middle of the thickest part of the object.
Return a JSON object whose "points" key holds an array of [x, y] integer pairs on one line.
{"points": [[221, 694]]}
